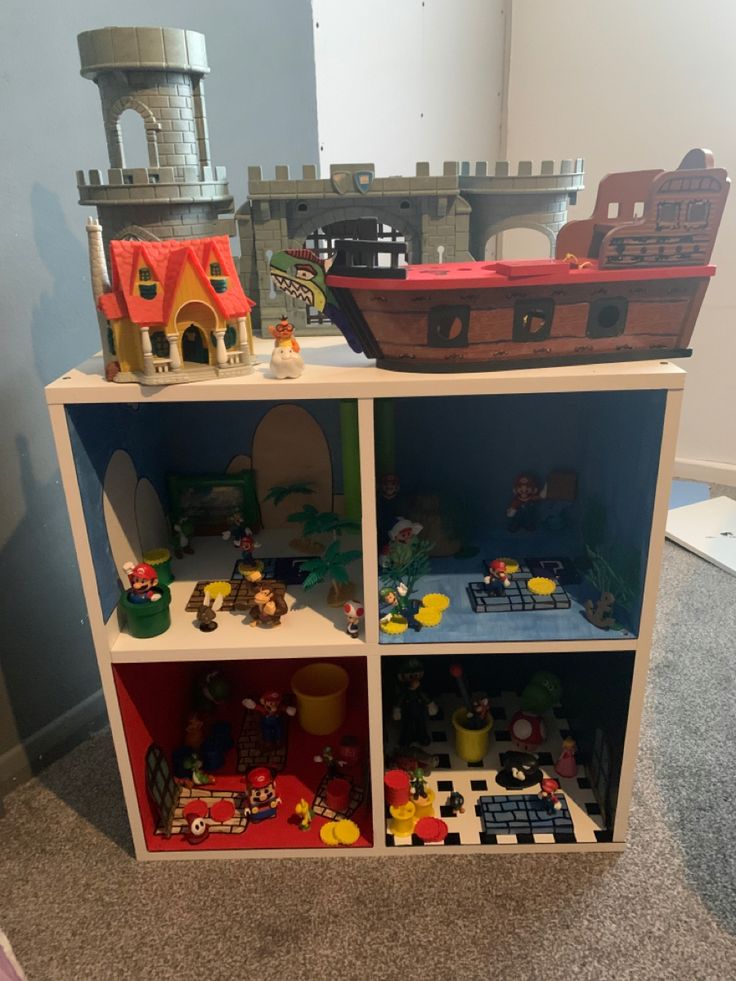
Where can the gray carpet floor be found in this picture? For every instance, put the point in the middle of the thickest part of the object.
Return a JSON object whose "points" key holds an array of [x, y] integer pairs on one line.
{"points": [[76, 906]]}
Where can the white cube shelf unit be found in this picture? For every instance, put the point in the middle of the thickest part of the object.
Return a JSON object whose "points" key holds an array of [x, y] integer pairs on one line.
{"points": [[455, 444]]}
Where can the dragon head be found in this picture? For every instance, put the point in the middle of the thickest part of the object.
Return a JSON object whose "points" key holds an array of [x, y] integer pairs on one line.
{"points": [[300, 273]]}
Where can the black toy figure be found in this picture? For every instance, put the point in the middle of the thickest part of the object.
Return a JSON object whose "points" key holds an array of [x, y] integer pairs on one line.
{"points": [[518, 770], [412, 706]]}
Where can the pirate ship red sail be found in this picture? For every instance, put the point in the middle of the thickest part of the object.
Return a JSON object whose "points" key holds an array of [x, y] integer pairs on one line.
{"points": [[627, 284]]}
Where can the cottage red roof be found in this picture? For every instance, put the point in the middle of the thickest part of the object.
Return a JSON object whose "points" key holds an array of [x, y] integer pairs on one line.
{"points": [[167, 262]]}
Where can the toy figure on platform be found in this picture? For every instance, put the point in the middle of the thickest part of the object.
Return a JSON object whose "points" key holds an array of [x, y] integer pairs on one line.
{"points": [[404, 530], [268, 608], [143, 582], [272, 710], [197, 829], [286, 362], [518, 770], [389, 486], [418, 783], [548, 795], [263, 800], [243, 538], [412, 706], [198, 778], [497, 578], [343, 761], [566, 765], [456, 802], [354, 613], [181, 538], [210, 691], [214, 597], [522, 512], [304, 813], [395, 603]]}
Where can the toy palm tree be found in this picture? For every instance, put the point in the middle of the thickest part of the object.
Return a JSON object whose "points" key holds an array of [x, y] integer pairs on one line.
{"points": [[331, 567], [316, 522], [308, 518], [280, 492]]}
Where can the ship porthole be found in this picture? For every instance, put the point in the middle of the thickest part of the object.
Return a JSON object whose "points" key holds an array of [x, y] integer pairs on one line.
{"points": [[607, 317]]}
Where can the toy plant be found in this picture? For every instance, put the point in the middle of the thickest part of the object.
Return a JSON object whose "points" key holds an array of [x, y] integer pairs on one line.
{"points": [[612, 568], [319, 523], [331, 567], [403, 564], [280, 492]]}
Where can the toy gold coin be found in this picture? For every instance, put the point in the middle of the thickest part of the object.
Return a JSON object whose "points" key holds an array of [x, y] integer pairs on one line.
{"points": [[346, 832], [541, 586], [327, 834]]}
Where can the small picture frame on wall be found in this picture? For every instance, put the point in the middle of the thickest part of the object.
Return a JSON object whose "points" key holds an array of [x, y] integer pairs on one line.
{"points": [[209, 501]]}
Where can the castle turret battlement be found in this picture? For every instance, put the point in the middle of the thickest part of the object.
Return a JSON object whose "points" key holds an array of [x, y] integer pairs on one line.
{"points": [[138, 185], [138, 48], [156, 73], [457, 177]]}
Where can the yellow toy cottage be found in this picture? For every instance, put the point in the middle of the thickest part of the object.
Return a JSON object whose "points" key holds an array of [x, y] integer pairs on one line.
{"points": [[174, 312]]}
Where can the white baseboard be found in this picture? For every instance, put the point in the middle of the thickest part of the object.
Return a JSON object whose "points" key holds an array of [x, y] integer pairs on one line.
{"points": [[21, 762], [709, 471]]}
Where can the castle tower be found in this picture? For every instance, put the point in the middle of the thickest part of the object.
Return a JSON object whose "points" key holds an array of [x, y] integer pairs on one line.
{"points": [[159, 74]]}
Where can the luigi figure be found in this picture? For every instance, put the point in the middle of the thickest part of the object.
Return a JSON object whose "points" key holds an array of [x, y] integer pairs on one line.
{"points": [[412, 705]]}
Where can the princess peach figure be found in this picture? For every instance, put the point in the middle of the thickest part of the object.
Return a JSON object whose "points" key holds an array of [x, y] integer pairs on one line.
{"points": [[566, 765]]}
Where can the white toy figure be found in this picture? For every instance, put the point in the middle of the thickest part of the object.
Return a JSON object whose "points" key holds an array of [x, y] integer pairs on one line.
{"points": [[286, 362]]}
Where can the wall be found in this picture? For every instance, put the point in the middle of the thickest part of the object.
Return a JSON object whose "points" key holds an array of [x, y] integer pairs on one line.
{"points": [[409, 81], [633, 86], [52, 126]]}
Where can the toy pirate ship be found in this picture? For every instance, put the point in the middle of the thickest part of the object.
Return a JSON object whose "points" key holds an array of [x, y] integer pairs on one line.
{"points": [[626, 284]]}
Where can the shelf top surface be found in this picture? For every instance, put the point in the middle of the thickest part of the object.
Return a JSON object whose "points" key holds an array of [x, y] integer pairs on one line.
{"points": [[334, 371]]}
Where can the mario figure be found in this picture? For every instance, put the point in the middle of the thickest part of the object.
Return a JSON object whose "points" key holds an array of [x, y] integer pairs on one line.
{"points": [[522, 511], [143, 580], [497, 579], [271, 710], [548, 795], [262, 798]]}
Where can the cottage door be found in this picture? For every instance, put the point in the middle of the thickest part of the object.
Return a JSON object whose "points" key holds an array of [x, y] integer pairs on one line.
{"points": [[194, 345]]}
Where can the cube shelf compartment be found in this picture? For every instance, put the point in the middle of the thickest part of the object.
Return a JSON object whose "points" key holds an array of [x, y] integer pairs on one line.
{"points": [[601, 438]]}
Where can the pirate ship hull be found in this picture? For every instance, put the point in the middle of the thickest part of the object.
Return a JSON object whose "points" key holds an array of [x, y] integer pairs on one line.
{"points": [[486, 316], [627, 284]]}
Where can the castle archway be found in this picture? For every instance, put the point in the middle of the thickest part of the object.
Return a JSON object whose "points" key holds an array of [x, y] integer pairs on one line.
{"points": [[519, 240], [120, 135]]}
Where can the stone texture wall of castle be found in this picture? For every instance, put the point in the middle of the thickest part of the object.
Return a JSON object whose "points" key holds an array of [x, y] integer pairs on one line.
{"points": [[165, 102], [157, 73], [443, 218], [194, 221]]}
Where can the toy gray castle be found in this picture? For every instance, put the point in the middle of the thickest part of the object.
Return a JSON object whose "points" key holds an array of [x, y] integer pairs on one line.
{"points": [[158, 72]]}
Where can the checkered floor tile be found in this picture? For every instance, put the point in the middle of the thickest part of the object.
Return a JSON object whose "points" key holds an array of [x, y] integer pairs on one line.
{"points": [[579, 820]]}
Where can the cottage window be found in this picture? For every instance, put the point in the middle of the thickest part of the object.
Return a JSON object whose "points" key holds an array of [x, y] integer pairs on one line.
{"points": [[144, 274], [159, 344], [215, 269]]}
